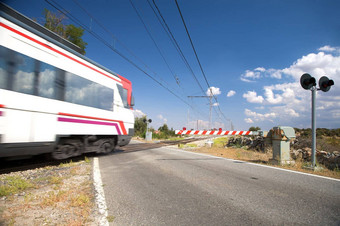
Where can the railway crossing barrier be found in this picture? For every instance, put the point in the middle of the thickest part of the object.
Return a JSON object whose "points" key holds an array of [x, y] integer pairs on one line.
{"points": [[217, 132], [279, 137]]}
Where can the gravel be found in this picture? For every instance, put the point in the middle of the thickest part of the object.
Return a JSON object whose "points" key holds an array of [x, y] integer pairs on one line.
{"points": [[54, 195]]}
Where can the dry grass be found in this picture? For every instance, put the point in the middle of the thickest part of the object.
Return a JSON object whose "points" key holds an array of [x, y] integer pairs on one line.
{"points": [[263, 158], [65, 197]]}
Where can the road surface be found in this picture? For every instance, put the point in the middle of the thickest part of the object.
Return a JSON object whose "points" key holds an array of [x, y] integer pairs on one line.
{"points": [[165, 186]]}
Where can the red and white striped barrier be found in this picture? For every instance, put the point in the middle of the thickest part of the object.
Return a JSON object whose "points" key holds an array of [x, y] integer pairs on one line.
{"points": [[214, 132]]}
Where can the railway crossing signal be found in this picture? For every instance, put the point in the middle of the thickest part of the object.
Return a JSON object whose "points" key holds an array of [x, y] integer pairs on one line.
{"points": [[325, 83], [309, 83]]}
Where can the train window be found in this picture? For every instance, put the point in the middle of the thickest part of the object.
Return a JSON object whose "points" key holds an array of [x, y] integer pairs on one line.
{"points": [[124, 94], [3, 73], [85, 92], [22, 72], [46, 81], [132, 101]]}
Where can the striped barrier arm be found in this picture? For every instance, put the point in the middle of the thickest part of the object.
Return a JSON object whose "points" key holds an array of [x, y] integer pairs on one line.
{"points": [[214, 132]]}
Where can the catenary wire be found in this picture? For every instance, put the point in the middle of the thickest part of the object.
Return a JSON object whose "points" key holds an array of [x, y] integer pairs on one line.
{"points": [[120, 42], [175, 43], [153, 40], [200, 65], [65, 12]]}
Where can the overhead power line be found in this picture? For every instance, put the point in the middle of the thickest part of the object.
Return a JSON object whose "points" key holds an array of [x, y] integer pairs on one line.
{"points": [[153, 40], [115, 38], [63, 11], [199, 62], [174, 42]]}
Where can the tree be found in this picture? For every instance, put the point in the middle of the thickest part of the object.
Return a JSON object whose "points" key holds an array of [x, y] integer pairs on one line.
{"points": [[140, 126], [74, 34], [254, 128], [164, 128]]}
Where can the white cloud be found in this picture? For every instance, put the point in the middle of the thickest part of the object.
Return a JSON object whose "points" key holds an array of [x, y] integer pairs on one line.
{"points": [[291, 112], [289, 102], [250, 76], [252, 97], [246, 80], [162, 118], [258, 116], [317, 65], [271, 98], [248, 120], [261, 69], [215, 104], [204, 125], [213, 91], [138, 113], [260, 72], [231, 93], [328, 48]]}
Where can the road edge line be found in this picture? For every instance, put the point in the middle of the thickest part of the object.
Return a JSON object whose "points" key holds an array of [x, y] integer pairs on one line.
{"points": [[99, 194], [255, 164]]}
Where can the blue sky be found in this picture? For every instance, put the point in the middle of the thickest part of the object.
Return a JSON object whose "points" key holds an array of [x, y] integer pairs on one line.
{"points": [[252, 52]]}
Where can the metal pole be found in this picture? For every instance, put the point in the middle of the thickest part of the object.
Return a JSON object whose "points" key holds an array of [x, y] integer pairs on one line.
{"points": [[313, 127], [210, 117]]}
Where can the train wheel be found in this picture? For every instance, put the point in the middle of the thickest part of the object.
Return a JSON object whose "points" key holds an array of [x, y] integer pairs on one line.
{"points": [[107, 146], [64, 151]]}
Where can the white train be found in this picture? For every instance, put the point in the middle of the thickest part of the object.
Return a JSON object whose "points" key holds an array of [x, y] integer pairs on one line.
{"points": [[55, 100]]}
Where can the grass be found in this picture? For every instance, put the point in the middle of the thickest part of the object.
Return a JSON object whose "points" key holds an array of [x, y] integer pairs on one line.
{"points": [[87, 160], [221, 141], [56, 180], [81, 199], [59, 192], [176, 138], [69, 164], [13, 185], [191, 145], [110, 218], [53, 197]]}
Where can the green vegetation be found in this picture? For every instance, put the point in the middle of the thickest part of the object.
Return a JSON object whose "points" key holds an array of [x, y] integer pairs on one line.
{"points": [[163, 132], [110, 218], [56, 23], [14, 184], [220, 142], [140, 127], [254, 128], [319, 132]]}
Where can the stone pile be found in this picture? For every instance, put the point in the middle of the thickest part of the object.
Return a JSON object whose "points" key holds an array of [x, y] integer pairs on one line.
{"points": [[255, 143], [330, 160]]}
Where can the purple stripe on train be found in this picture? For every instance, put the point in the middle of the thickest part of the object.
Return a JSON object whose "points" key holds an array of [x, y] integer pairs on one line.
{"points": [[60, 119], [1, 113]]}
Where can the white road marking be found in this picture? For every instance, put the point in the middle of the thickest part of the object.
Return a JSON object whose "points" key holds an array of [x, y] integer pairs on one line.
{"points": [[272, 167], [100, 196]]}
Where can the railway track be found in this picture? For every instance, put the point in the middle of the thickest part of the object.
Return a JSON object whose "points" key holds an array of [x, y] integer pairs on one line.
{"points": [[145, 146], [34, 162]]}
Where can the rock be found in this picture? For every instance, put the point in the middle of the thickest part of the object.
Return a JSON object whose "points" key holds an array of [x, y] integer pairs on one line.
{"points": [[296, 154]]}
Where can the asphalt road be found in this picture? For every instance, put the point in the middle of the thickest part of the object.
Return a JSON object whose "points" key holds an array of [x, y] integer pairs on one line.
{"points": [[164, 186]]}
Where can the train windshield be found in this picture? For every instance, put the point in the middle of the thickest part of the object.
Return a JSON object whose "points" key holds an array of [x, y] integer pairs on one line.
{"points": [[124, 94]]}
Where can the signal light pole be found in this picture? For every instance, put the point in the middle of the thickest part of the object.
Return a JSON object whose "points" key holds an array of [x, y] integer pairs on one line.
{"points": [[309, 83]]}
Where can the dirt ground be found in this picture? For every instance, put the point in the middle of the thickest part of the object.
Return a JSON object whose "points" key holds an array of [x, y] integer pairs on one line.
{"points": [[58, 195]]}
